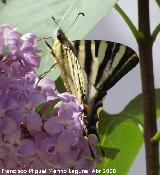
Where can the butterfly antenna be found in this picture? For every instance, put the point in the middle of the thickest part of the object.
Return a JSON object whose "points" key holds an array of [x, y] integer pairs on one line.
{"points": [[46, 38], [56, 22], [81, 13]]}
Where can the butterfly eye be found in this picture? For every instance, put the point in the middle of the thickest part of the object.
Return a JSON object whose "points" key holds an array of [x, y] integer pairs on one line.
{"points": [[59, 37]]}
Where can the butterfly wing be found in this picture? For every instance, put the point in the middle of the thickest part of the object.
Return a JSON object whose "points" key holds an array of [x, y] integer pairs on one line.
{"points": [[104, 63]]}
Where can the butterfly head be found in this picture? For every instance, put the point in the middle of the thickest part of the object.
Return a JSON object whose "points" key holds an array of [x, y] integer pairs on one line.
{"points": [[61, 36], [60, 44]]}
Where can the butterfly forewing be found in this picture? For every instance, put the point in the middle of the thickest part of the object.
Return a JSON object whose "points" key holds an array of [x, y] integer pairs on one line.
{"points": [[105, 62], [71, 71]]}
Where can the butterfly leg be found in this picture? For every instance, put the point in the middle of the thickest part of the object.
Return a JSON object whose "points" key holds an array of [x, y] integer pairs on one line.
{"points": [[102, 151], [91, 151], [49, 70]]}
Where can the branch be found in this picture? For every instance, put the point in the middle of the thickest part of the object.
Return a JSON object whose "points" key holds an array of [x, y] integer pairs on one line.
{"points": [[155, 33], [132, 27], [148, 89]]}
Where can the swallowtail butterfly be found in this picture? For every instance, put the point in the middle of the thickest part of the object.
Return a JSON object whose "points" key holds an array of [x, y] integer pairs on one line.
{"points": [[89, 68]]}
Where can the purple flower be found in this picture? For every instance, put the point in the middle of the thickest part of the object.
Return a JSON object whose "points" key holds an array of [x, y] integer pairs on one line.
{"points": [[6, 103], [8, 126], [25, 112], [26, 148], [48, 89], [31, 38], [26, 84], [8, 36], [18, 51], [39, 127], [38, 153], [8, 155], [67, 119], [67, 97]]}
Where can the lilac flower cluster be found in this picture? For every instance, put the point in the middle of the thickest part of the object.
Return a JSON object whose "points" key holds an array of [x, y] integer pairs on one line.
{"points": [[30, 137]]}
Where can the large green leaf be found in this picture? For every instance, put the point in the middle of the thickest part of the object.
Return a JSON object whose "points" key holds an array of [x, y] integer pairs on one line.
{"points": [[35, 16], [124, 132]]}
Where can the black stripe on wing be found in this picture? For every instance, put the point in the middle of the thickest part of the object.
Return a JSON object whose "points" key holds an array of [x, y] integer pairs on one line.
{"points": [[127, 62], [76, 47], [108, 55], [88, 58], [97, 44]]}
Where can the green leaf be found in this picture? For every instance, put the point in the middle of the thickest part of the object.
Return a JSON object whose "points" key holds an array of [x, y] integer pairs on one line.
{"points": [[60, 85], [156, 137], [158, 2], [135, 106], [45, 109], [35, 16], [124, 132]]}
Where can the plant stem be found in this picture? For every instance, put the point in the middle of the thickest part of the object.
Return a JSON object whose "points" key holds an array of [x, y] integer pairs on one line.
{"points": [[148, 90], [130, 24]]}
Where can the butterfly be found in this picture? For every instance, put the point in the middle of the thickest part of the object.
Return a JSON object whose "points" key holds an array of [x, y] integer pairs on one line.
{"points": [[89, 68]]}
